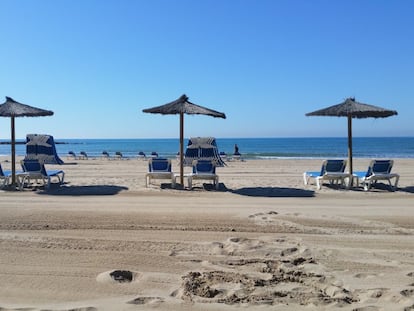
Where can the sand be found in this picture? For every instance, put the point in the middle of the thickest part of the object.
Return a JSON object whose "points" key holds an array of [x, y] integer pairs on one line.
{"points": [[263, 241]]}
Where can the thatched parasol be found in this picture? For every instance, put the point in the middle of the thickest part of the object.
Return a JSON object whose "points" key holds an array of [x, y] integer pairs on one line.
{"points": [[182, 106], [12, 109], [353, 109]]}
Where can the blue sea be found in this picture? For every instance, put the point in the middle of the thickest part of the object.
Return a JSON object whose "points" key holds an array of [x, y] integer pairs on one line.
{"points": [[250, 148]]}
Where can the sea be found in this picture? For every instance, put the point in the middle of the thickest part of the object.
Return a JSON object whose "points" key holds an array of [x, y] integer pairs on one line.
{"points": [[250, 148]]}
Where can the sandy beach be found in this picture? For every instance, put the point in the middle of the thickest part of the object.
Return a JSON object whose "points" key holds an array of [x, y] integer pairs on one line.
{"points": [[263, 241]]}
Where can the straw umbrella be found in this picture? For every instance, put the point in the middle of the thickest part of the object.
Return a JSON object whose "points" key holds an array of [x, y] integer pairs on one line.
{"points": [[182, 106], [353, 109], [12, 109]]}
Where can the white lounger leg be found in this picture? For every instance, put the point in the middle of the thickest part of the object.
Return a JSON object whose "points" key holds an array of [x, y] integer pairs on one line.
{"points": [[397, 178], [367, 185], [305, 179], [318, 183]]}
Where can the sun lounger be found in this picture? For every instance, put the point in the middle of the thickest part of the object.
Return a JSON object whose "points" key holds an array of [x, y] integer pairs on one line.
{"points": [[83, 155], [236, 157], [142, 155], [203, 170], [119, 155], [159, 168], [105, 155], [5, 176], [33, 169], [332, 171], [377, 170], [72, 155], [154, 154], [223, 156]]}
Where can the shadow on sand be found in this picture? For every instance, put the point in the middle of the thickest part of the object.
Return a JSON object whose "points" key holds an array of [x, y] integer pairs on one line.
{"points": [[269, 192], [83, 190], [409, 189], [383, 187], [276, 192]]}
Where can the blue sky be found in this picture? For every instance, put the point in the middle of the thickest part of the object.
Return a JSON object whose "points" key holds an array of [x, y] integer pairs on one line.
{"points": [[265, 63]]}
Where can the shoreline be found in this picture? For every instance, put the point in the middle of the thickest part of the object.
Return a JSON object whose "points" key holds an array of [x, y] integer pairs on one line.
{"points": [[250, 148]]}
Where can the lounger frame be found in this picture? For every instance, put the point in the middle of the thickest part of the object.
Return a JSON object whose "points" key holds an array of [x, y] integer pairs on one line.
{"points": [[154, 172], [332, 171], [203, 170], [34, 170], [377, 170]]}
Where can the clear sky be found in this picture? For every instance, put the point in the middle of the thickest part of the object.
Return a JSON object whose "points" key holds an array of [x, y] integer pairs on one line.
{"points": [[264, 63]]}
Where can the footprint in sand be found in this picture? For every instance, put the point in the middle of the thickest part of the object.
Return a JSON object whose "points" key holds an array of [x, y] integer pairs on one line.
{"points": [[410, 308], [377, 293], [256, 215], [117, 276], [261, 280], [82, 309], [407, 292], [373, 293], [365, 275], [263, 215], [33, 309], [146, 300], [368, 308], [288, 251], [411, 274]]}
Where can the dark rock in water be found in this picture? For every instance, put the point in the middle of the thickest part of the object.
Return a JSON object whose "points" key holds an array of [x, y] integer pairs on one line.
{"points": [[24, 143], [16, 142]]}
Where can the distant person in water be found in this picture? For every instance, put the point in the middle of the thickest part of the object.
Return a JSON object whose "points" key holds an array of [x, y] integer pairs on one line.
{"points": [[236, 150]]}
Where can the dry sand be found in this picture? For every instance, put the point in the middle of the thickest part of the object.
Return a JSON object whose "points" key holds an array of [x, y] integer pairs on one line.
{"points": [[264, 241]]}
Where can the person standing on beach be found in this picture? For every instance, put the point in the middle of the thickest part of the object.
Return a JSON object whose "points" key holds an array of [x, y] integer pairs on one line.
{"points": [[236, 150]]}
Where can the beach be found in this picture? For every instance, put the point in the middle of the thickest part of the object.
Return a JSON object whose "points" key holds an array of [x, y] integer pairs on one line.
{"points": [[263, 241]]}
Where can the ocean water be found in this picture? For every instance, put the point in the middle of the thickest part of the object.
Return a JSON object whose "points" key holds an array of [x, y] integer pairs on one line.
{"points": [[250, 148]]}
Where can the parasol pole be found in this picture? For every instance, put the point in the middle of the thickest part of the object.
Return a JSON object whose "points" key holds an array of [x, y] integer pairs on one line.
{"points": [[350, 147], [182, 148], [13, 152]]}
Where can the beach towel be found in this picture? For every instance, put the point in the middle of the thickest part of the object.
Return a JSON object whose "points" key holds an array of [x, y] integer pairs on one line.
{"points": [[202, 148], [42, 147]]}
